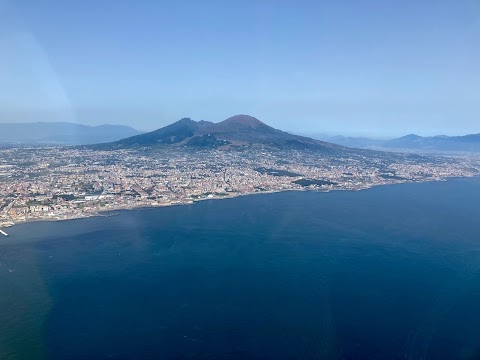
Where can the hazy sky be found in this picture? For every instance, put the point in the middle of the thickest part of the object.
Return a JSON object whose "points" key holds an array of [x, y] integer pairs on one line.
{"points": [[351, 67]]}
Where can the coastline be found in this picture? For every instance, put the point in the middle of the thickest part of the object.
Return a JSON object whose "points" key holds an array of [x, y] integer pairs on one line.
{"points": [[115, 211]]}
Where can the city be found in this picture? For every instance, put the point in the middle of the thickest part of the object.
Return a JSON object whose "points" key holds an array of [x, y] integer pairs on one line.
{"points": [[59, 183]]}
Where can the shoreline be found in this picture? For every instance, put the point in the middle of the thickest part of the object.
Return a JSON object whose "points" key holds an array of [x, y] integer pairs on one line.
{"points": [[111, 212]]}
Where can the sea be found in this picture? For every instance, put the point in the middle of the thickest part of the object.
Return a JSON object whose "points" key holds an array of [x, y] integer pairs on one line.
{"points": [[391, 272]]}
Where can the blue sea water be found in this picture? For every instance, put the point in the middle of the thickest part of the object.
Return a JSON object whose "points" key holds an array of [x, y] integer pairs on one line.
{"points": [[387, 273]]}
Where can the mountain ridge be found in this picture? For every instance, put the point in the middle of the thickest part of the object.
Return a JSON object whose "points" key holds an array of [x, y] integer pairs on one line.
{"points": [[469, 143], [444, 143], [61, 133], [236, 131]]}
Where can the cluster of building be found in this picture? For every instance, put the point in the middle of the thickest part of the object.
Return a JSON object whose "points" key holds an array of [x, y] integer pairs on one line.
{"points": [[64, 183]]}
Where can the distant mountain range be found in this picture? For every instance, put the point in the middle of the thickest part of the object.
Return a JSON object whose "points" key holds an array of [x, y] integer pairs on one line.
{"points": [[236, 131], [467, 143], [61, 133], [442, 143]]}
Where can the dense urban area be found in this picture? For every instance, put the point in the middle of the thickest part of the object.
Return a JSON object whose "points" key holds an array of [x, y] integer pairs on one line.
{"points": [[58, 183]]}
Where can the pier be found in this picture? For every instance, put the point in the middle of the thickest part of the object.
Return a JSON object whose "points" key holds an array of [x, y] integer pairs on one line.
{"points": [[3, 232]]}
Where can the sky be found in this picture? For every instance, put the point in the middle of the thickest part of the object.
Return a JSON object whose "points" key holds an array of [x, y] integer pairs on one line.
{"points": [[371, 68]]}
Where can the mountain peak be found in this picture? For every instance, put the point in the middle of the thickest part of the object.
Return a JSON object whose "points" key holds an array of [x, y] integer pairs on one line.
{"points": [[185, 121], [411, 137], [245, 120]]}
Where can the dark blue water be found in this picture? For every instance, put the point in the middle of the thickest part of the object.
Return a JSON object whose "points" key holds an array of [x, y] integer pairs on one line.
{"points": [[388, 273]]}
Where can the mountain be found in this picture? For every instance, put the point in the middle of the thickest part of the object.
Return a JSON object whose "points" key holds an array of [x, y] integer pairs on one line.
{"points": [[466, 143], [238, 130], [61, 133], [470, 143]]}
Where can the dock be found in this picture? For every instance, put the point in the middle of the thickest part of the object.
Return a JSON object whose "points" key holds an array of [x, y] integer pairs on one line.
{"points": [[3, 232]]}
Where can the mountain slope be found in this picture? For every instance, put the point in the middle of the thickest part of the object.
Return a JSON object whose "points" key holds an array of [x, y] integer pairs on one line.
{"points": [[238, 130], [171, 134], [61, 133]]}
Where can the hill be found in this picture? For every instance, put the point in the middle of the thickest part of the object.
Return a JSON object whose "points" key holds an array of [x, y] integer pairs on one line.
{"points": [[61, 133]]}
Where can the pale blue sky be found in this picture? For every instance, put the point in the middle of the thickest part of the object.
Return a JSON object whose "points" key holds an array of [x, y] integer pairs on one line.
{"points": [[350, 67]]}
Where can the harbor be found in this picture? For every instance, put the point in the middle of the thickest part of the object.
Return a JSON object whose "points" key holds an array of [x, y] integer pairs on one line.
{"points": [[3, 232]]}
